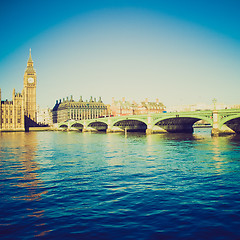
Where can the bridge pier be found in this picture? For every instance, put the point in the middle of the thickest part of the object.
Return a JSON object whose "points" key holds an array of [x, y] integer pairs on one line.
{"points": [[109, 126], [69, 127], [149, 131], [217, 130], [84, 126], [109, 130], [149, 125], [225, 130]]}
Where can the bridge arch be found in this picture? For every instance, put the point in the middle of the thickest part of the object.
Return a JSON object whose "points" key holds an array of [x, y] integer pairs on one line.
{"points": [[131, 125], [77, 126], [233, 122], [98, 125], [128, 119], [229, 118], [179, 123], [207, 119], [63, 126]]}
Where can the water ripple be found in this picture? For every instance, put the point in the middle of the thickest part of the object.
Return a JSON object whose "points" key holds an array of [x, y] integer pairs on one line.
{"points": [[100, 186]]}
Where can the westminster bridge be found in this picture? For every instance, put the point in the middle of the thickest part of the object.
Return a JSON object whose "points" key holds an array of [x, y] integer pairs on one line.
{"points": [[222, 122]]}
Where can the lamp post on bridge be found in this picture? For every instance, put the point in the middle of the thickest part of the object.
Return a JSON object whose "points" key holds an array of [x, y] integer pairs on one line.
{"points": [[214, 103]]}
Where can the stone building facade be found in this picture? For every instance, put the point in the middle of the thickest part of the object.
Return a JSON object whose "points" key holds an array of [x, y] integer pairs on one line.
{"points": [[123, 107], [29, 91], [12, 113], [22, 107], [44, 116], [68, 109]]}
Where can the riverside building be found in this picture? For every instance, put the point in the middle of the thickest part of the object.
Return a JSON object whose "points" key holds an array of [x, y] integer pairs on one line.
{"points": [[68, 109], [22, 108], [123, 107], [44, 116]]}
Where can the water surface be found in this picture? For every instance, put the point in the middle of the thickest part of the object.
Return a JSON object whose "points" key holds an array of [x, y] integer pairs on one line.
{"points": [[69, 185]]}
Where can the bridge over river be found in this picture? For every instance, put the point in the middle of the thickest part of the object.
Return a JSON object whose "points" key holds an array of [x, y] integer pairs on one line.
{"points": [[222, 121]]}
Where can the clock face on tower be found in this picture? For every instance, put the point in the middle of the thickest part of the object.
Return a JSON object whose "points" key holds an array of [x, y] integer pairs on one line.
{"points": [[30, 80]]}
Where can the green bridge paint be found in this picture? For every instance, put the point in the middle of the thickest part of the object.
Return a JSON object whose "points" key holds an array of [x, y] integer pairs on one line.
{"points": [[222, 121]]}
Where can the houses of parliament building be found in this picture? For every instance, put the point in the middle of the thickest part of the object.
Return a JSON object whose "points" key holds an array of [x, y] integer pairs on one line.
{"points": [[15, 114]]}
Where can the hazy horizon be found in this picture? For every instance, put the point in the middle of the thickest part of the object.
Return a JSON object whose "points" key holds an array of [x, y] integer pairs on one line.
{"points": [[180, 53]]}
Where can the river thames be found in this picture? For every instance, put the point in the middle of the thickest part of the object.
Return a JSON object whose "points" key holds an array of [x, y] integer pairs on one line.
{"points": [[70, 185]]}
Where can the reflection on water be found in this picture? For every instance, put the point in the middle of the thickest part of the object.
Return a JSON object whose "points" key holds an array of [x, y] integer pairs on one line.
{"points": [[20, 170], [217, 153], [70, 185]]}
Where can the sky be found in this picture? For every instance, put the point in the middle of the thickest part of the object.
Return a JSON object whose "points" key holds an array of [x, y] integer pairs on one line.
{"points": [[179, 51]]}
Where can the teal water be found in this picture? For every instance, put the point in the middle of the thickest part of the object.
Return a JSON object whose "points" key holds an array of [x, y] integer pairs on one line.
{"points": [[70, 185]]}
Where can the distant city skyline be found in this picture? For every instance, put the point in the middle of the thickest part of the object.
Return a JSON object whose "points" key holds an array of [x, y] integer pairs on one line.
{"points": [[177, 51]]}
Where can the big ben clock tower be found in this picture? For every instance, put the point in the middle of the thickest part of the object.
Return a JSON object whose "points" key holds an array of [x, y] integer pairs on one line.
{"points": [[29, 90]]}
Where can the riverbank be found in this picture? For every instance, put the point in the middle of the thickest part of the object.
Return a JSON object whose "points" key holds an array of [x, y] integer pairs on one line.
{"points": [[31, 129]]}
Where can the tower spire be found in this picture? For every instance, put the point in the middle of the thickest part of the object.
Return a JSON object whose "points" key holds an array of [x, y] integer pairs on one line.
{"points": [[30, 56]]}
